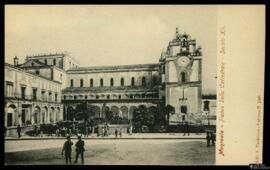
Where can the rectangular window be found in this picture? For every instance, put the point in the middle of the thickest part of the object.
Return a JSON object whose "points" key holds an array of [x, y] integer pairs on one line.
{"points": [[132, 81], [91, 82], [43, 95], [122, 82], [143, 81], [111, 81], [206, 105], [34, 94], [23, 92], [184, 109], [9, 90], [50, 96], [101, 82], [71, 83], [55, 97], [81, 83]]}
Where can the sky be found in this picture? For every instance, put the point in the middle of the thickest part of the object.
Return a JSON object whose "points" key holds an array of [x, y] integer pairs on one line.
{"points": [[110, 35]]}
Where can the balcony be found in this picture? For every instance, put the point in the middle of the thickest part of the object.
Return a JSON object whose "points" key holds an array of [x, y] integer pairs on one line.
{"points": [[30, 98]]}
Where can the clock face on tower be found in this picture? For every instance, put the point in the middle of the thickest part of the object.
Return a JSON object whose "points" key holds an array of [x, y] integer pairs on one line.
{"points": [[183, 61]]}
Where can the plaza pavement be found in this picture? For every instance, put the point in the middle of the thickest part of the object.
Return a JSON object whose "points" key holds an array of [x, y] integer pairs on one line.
{"points": [[113, 152]]}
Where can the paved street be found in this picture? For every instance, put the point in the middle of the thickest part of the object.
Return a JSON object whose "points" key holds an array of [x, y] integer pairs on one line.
{"points": [[113, 152]]}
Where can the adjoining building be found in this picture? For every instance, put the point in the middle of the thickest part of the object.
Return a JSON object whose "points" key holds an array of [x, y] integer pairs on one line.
{"points": [[120, 89], [33, 89], [30, 98]]}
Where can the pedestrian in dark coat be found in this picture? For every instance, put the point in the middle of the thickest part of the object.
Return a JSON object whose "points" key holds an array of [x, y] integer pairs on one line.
{"points": [[213, 138], [19, 130], [116, 133], [67, 148], [79, 149]]}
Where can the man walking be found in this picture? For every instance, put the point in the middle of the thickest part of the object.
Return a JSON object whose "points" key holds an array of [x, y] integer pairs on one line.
{"points": [[116, 132], [67, 148], [79, 149], [19, 129], [213, 138]]}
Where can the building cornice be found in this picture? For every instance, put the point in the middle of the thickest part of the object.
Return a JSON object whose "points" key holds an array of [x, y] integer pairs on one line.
{"points": [[119, 68], [29, 73]]}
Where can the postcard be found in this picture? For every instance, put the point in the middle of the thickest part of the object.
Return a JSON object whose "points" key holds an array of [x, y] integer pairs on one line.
{"points": [[134, 84]]}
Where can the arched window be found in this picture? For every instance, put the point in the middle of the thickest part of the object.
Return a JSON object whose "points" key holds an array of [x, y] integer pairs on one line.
{"points": [[183, 77], [108, 96], [122, 81], [54, 61], [45, 61], [143, 81], [184, 42], [101, 82], [91, 82], [71, 83], [111, 81], [132, 81], [81, 83], [154, 80]]}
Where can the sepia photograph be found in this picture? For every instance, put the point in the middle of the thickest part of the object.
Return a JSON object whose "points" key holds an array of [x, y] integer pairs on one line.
{"points": [[111, 84]]}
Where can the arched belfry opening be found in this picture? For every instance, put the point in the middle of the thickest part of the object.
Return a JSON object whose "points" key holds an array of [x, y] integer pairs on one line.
{"points": [[183, 76]]}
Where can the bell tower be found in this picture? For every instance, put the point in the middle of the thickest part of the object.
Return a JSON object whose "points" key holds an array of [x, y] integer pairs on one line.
{"points": [[182, 65]]}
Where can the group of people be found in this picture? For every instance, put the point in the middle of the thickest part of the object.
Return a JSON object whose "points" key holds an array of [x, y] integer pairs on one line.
{"points": [[67, 130], [105, 130], [67, 149], [118, 132]]}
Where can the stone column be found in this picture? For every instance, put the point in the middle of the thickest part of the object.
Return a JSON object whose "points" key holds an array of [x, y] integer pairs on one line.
{"points": [[48, 116], [54, 116]]}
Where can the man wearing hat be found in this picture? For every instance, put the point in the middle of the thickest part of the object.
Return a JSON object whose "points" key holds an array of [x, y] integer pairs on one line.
{"points": [[79, 149], [67, 148]]}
